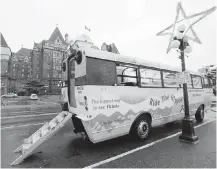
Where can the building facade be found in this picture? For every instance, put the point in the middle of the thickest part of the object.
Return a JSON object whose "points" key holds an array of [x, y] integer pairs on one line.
{"points": [[47, 58], [42, 64], [20, 69], [5, 57]]}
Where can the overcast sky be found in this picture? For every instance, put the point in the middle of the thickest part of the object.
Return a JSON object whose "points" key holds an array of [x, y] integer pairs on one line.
{"points": [[131, 24]]}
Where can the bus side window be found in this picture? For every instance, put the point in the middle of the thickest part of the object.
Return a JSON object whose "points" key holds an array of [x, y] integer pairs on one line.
{"points": [[126, 76], [196, 81], [100, 72], [150, 78], [189, 83], [206, 82]]}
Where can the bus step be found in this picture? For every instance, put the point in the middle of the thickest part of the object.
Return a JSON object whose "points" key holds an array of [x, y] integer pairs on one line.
{"points": [[41, 135]]}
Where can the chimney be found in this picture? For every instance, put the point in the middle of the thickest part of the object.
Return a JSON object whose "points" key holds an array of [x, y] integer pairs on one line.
{"points": [[66, 38]]}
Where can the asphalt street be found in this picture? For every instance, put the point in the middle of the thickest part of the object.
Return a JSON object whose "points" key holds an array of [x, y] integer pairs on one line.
{"points": [[172, 153], [66, 149]]}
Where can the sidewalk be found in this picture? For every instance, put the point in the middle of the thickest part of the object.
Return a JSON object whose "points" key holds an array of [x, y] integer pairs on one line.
{"points": [[172, 153]]}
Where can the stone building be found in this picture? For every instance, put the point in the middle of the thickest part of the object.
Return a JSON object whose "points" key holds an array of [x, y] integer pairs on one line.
{"points": [[20, 69], [5, 57], [47, 58]]}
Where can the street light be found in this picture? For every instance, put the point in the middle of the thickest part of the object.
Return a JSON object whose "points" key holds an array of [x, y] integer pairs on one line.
{"points": [[180, 41]]}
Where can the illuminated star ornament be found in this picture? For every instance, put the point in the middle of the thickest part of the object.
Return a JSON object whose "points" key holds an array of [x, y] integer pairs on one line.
{"points": [[187, 20]]}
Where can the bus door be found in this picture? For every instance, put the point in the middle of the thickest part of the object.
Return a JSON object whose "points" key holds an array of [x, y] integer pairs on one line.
{"points": [[71, 82], [76, 75]]}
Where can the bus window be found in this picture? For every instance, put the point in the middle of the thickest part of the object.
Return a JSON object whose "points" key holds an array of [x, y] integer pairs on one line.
{"points": [[127, 75], [169, 79], [206, 82], [150, 78], [189, 83], [196, 81], [101, 72]]}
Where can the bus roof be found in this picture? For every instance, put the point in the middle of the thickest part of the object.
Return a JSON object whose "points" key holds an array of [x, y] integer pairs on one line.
{"points": [[104, 55]]}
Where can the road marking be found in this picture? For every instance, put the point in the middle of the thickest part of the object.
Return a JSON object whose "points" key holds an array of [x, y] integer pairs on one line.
{"points": [[47, 114], [140, 148], [47, 102], [20, 112], [21, 126], [16, 111]]}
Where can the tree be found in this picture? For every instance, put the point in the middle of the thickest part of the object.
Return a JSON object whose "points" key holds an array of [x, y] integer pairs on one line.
{"points": [[33, 86]]}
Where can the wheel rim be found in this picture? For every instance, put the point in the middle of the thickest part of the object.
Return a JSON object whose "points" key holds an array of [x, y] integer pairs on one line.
{"points": [[202, 112], [143, 129]]}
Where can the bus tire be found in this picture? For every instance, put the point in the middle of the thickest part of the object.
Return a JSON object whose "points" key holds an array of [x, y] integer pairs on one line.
{"points": [[142, 127], [199, 116]]}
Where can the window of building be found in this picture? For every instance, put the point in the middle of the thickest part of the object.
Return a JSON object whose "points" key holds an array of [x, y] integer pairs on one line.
{"points": [[48, 75], [169, 79], [196, 81], [22, 75], [150, 77], [28, 75], [14, 69], [14, 65], [37, 76], [37, 68], [22, 70], [48, 66]]}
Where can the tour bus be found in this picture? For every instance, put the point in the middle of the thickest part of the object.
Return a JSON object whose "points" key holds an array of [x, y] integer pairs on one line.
{"points": [[112, 95]]}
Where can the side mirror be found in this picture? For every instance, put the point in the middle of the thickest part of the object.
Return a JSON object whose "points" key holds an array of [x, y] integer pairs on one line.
{"points": [[79, 57], [64, 67], [72, 51]]}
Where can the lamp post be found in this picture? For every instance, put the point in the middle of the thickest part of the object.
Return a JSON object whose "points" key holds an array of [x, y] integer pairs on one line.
{"points": [[180, 41]]}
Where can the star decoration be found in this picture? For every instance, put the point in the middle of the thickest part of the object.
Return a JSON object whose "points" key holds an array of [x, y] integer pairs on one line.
{"points": [[195, 17]]}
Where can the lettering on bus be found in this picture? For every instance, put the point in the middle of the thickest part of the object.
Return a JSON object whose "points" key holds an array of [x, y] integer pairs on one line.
{"points": [[156, 102], [105, 104]]}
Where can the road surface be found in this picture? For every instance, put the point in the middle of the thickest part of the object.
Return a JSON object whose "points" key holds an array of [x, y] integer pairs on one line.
{"points": [[66, 149]]}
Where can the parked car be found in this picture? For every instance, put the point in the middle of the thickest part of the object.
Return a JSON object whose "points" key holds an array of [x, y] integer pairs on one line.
{"points": [[9, 95], [34, 97]]}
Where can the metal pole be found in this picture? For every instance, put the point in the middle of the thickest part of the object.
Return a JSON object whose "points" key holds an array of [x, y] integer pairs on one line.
{"points": [[188, 134], [185, 87]]}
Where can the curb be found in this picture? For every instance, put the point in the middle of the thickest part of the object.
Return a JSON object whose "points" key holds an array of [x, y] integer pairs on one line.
{"points": [[30, 108]]}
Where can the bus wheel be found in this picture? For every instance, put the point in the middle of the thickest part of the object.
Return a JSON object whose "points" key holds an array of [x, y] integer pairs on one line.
{"points": [[199, 116], [142, 127]]}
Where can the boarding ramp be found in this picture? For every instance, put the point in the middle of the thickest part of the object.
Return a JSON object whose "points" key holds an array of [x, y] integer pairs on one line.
{"points": [[41, 135]]}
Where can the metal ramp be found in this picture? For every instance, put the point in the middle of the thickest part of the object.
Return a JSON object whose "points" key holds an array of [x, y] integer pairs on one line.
{"points": [[41, 135]]}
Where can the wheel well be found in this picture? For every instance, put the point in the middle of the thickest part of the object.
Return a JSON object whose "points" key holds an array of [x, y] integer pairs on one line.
{"points": [[201, 105], [77, 125], [64, 106], [198, 108], [146, 114]]}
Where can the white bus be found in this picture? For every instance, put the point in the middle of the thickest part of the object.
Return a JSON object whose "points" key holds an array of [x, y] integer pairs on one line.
{"points": [[111, 95]]}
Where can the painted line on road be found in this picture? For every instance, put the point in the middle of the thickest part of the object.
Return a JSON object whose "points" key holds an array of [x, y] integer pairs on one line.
{"points": [[26, 125], [20, 112], [24, 116], [47, 102], [142, 147]]}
